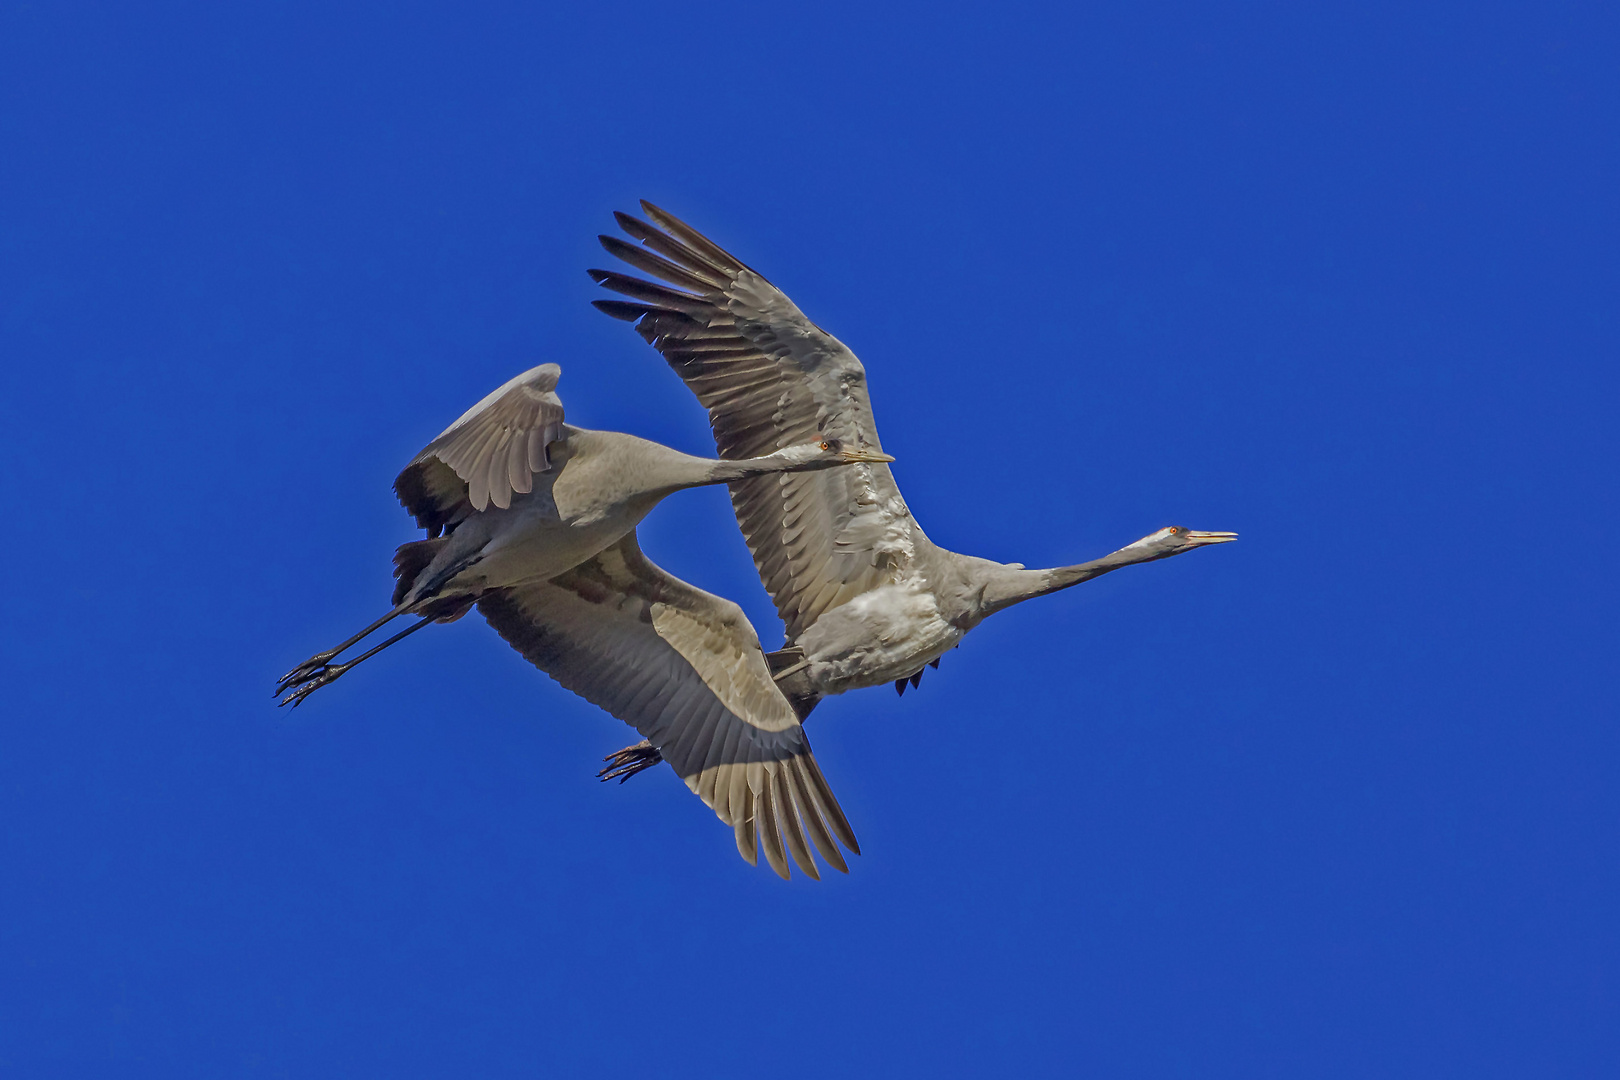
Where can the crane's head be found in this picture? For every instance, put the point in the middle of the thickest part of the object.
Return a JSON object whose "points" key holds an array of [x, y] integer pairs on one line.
{"points": [[828, 452], [1173, 541]]}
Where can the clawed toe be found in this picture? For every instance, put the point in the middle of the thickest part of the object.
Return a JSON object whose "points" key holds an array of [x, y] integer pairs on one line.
{"points": [[312, 668], [623, 764], [303, 671], [295, 688]]}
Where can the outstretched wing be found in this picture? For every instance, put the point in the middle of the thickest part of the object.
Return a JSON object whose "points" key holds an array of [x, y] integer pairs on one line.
{"points": [[770, 378], [489, 454], [685, 669]]}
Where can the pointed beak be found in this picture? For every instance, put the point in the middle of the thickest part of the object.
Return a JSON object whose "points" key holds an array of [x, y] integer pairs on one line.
{"points": [[856, 456], [1210, 537]]}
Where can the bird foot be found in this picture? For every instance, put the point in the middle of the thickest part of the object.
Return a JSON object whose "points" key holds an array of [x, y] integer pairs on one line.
{"points": [[623, 764], [295, 687], [309, 669]]}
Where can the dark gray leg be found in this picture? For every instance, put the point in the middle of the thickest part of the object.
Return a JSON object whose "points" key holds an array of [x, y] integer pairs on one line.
{"points": [[297, 689], [321, 659]]}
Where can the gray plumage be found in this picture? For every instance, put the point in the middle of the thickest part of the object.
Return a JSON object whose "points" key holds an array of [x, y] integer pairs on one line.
{"points": [[533, 520], [865, 596], [496, 447], [685, 669]]}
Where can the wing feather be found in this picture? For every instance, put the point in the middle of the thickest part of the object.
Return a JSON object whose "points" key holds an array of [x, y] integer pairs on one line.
{"points": [[813, 823], [747, 845], [685, 669], [537, 440], [770, 835], [491, 450], [659, 242], [783, 792], [728, 799], [695, 241], [769, 378], [695, 280], [831, 812], [518, 476]]}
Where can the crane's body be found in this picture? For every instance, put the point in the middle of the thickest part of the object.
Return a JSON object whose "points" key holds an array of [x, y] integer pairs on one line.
{"points": [[893, 629], [884, 635], [509, 494], [533, 521], [600, 486], [891, 633], [865, 597]]}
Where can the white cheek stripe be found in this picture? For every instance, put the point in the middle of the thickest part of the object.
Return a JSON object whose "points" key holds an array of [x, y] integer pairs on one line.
{"points": [[1146, 540]]}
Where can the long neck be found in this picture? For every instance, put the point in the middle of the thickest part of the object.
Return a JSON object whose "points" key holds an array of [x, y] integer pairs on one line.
{"points": [[676, 471], [724, 472], [1010, 586]]}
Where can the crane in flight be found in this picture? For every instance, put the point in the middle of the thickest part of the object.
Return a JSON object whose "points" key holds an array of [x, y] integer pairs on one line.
{"points": [[865, 596], [534, 521]]}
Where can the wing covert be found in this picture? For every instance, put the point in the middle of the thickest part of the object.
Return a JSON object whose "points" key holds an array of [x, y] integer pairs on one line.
{"points": [[684, 668], [491, 453]]}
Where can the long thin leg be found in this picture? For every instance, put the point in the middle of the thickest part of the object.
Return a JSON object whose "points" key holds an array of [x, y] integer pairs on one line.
{"points": [[321, 659], [329, 672]]}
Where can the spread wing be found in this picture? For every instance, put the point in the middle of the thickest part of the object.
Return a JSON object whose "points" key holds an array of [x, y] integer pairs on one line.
{"points": [[685, 669], [770, 378], [489, 454]]}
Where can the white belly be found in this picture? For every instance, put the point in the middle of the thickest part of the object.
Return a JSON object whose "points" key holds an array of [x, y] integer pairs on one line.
{"points": [[532, 542], [880, 636]]}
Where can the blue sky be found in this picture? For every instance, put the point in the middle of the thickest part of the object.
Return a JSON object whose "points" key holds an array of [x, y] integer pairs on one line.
{"points": [[1336, 800]]}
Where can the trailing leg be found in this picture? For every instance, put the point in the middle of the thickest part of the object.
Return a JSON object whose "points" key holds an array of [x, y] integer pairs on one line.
{"points": [[297, 689], [322, 659]]}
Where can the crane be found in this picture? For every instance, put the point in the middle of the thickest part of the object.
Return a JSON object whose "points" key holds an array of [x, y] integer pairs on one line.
{"points": [[865, 597], [533, 521]]}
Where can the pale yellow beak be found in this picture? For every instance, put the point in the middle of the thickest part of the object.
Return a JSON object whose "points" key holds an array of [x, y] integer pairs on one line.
{"points": [[1211, 537], [857, 456]]}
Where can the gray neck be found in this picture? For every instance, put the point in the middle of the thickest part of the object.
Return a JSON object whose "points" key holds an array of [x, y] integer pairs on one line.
{"points": [[685, 471], [792, 459], [1009, 586]]}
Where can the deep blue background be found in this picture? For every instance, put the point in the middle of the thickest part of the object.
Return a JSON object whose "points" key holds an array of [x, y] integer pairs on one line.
{"points": [[1337, 800]]}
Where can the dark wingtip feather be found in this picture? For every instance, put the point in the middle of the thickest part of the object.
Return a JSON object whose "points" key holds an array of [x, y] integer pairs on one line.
{"points": [[621, 309], [694, 277], [649, 293], [689, 236], [668, 245]]}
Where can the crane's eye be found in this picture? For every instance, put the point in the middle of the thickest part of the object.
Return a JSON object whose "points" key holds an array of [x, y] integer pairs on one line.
{"points": [[826, 446]]}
